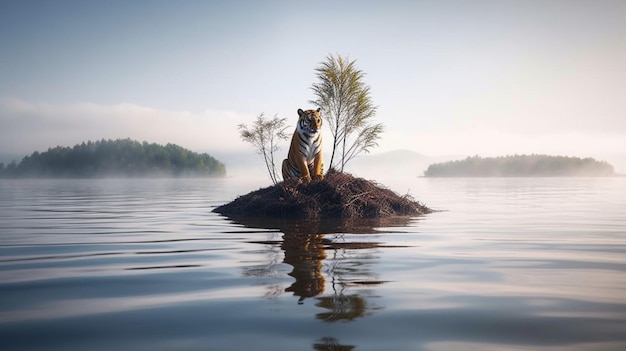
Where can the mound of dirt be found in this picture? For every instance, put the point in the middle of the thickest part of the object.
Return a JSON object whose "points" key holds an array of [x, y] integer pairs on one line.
{"points": [[339, 195]]}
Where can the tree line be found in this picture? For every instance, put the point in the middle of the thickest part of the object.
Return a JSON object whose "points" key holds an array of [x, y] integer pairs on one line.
{"points": [[121, 157], [521, 166]]}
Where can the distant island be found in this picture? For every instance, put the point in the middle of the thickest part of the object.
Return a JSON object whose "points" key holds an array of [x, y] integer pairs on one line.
{"points": [[112, 158], [521, 166]]}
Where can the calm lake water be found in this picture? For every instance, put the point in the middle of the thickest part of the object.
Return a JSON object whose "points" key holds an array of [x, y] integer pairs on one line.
{"points": [[511, 264]]}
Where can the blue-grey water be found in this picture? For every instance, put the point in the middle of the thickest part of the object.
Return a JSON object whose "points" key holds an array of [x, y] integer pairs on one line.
{"points": [[143, 264]]}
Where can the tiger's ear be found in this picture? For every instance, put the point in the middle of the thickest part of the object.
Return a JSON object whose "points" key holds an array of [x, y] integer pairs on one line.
{"points": [[300, 112], [318, 109]]}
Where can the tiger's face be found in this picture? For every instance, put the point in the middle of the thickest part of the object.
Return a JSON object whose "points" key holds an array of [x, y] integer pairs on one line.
{"points": [[310, 120]]}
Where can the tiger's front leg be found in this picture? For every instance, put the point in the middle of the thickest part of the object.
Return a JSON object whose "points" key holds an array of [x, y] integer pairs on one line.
{"points": [[317, 166], [304, 169]]}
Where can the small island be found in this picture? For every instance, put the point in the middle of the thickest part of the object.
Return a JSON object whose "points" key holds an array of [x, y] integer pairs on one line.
{"points": [[114, 158], [337, 196], [521, 166], [305, 192]]}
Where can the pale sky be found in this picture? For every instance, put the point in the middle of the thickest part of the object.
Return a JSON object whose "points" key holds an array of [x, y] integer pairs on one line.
{"points": [[449, 77]]}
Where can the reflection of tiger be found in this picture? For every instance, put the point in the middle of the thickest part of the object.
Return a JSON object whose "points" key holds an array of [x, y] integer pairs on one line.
{"points": [[305, 153]]}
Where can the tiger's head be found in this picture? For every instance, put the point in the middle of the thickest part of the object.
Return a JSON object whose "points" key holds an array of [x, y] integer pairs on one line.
{"points": [[310, 120]]}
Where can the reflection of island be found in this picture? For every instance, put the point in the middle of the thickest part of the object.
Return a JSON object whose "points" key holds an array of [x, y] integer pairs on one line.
{"points": [[306, 253], [335, 270], [318, 259], [328, 267]]}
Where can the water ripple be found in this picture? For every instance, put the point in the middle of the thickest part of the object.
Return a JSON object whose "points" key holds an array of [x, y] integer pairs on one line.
{"points": [[512, 264]]}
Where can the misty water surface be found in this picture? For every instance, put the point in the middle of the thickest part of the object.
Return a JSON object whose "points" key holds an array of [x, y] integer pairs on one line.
{"points": [[515, 264]]}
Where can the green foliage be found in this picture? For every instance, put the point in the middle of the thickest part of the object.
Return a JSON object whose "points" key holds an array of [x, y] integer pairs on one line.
{"points": [[122, 157], [347, 108], [521, 166]]}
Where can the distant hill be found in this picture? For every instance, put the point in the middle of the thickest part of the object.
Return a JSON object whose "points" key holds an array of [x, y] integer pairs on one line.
{"points": [[521, 166], [121, 157]]}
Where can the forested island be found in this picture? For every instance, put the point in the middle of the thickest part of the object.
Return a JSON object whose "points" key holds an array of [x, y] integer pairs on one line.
{"points": [[521, 166], [113, 158]]}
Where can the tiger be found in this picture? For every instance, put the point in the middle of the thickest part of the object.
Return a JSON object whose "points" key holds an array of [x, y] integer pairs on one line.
{"points": [[304, 159]]}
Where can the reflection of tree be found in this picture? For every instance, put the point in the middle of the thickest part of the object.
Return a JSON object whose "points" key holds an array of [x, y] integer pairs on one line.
{"points": [[348, 266], [331, 344], [305, 253], [341, 307], [269, 270]]}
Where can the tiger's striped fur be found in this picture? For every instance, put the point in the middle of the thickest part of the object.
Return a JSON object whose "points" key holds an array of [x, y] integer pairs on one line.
{"points": [[305, 152]]}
